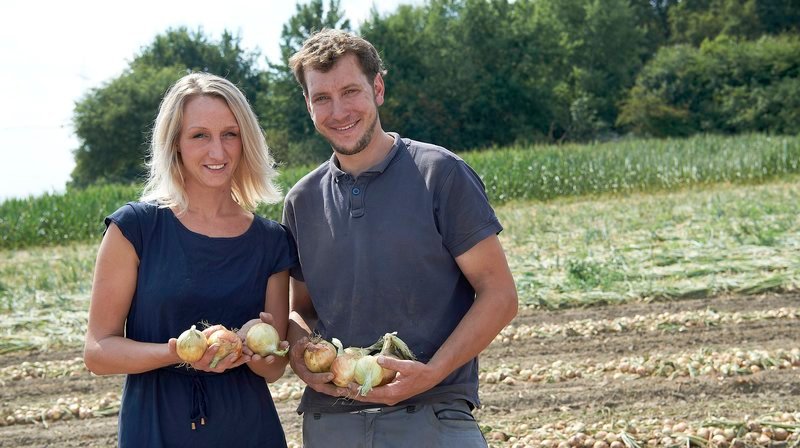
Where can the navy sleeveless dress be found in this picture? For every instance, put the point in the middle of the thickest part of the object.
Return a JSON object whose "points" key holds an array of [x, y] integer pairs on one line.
{"points": [[186, 278]]}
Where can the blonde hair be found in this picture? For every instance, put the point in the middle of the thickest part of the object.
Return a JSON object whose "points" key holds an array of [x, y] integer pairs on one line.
{"points": [[254, 178]]}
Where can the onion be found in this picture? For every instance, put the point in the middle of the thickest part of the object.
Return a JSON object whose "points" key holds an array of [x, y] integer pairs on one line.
{"points": [[262, 338], [343, 367], [228, 342], [191, 345], [368, 373], [319, 355]]}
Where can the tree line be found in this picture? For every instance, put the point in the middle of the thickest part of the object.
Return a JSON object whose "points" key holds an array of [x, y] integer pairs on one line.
{"points": [[471, 74]]}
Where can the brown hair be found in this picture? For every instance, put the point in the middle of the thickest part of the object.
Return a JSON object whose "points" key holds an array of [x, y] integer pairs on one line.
{"points": [[323, 49]]}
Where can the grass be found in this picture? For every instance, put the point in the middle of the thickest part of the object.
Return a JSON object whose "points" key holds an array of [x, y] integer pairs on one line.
{"points": [[695, 242]]}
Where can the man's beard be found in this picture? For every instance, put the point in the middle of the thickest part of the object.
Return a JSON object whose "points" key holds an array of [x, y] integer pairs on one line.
{"points": [[360, 145]]}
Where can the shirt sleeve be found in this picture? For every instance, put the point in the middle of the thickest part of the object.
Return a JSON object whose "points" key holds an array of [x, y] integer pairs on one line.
{"points": [[288, 221], [285, 250], [127, 220], [463, 212]]}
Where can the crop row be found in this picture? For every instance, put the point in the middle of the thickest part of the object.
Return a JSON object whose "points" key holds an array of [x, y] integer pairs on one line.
{"points": [[643, 322], [654, 322], [707, 362], [92, 406], [770, 430], [775, 430], [725, 363]]}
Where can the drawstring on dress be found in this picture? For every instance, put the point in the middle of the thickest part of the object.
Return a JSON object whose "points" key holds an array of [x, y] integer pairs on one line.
{"points": [[198, 402]]}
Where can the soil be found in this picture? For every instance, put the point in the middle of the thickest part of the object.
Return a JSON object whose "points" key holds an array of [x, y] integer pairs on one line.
{"points": [[514, 409]]}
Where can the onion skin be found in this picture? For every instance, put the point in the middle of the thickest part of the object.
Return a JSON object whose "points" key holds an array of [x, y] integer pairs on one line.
{"points": [[319, 355], [191, 345], [262, 338], [228, 342]]}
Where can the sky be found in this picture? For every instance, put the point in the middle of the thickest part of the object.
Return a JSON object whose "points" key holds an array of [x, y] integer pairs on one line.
{"points": [[52, 53]]}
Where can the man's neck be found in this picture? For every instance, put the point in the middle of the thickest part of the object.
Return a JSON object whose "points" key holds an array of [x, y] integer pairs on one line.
{"points": [[369, 157]]}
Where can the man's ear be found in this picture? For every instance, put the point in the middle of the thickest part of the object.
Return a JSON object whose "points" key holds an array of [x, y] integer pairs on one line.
{"points": [[379, 88]]}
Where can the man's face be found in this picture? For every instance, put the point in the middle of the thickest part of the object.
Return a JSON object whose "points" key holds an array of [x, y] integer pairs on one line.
{"points": [[343, 105]]}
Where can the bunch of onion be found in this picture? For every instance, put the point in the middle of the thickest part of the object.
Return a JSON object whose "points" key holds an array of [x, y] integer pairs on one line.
{"points": [[343, 367], [368, 373], [319, 354], [262, 338]]}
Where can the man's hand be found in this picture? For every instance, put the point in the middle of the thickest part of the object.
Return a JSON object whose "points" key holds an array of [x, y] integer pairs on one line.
{"points": [[320, 382], [413, 378]]}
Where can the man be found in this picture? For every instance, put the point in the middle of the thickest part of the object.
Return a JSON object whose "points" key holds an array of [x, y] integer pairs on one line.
{"points": [[392, 235]]}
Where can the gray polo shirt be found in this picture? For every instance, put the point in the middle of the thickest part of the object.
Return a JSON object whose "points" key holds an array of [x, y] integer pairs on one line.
{"points": [[377, 255]]}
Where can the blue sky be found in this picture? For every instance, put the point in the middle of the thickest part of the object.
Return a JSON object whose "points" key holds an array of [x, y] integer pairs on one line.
{"points": [[51, 53]]}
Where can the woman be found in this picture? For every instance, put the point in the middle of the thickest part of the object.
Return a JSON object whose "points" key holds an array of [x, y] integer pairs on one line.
{"points": [[191, 252]]}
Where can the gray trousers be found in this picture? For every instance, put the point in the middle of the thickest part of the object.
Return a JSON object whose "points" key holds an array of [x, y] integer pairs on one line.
{"points": [[440, 425]]}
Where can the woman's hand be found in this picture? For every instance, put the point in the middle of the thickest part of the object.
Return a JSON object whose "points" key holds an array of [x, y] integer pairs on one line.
{"points": [[204, 363], [255, 357]]}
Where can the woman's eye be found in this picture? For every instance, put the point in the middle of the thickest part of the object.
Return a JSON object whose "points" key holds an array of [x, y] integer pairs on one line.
{"points": [[198, 135]]}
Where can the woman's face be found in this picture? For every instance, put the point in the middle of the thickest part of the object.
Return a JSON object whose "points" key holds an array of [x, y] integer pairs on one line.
{"points": [[210, 144]]}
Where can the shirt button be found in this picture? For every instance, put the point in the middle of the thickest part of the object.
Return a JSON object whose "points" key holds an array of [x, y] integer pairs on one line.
{"points": [[356, 191]]}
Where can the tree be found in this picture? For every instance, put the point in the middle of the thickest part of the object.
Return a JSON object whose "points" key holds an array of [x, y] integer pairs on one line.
{"points": [[290, 132], [693, 22], [596, 55], [113, 121], [195, 52], [727, 85], [652, 18]]}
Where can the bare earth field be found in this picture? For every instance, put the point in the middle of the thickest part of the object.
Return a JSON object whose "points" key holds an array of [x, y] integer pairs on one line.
{"points": [[614, 375]]}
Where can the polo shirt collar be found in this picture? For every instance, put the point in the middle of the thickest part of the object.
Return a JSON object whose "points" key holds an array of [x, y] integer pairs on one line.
{"points": [[337, 172]]}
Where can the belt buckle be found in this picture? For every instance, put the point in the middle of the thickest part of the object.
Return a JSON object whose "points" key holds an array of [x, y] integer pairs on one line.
{"points": [[368, 411]]}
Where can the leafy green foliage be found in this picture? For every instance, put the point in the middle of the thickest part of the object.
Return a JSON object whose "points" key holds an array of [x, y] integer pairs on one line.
{"points": [[693, 22], [113, 123], [726, 85]]}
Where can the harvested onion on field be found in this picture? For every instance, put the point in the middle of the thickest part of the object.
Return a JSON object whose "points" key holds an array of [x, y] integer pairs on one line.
{"points": [[262, 338]]}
